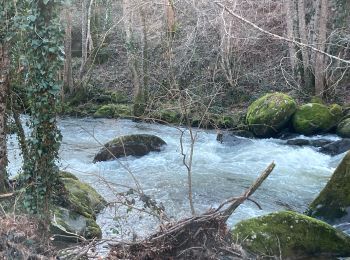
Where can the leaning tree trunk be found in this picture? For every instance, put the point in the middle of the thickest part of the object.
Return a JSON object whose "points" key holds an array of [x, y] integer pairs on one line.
{"points": [[4, 72]]}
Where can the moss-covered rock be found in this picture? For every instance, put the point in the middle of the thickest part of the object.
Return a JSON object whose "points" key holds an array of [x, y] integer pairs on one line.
{"points": [[333, 203], [170, 116], [137, 145], [316, 118], [270, 114], [290, 235], [82, 198], [316, 99], [343, 128], [67, 222], [113, 111], [75, 209]]}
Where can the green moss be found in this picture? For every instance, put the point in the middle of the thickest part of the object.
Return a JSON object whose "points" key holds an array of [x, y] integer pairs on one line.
{"points": [[82, 198], [67, 222], [64, 174], [113, 111], [336, 111], [270, 114], [343, 128], [316, 99], [334, 200], [170, 116], [291, 235], [139, 105], [315, 118]]}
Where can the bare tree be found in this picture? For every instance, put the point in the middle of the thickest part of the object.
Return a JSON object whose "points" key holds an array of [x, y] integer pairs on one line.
{"points": [[68, 77]]}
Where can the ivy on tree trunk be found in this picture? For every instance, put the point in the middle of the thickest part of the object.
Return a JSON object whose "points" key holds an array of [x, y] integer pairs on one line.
{"points": [[45, 60]]}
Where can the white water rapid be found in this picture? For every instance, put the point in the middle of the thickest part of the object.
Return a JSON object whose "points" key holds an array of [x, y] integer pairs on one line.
{"points": [[219, 172]]}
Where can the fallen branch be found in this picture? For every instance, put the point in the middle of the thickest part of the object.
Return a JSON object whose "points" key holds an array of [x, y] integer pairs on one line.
{"points": [[199, 237], [7, 195]]}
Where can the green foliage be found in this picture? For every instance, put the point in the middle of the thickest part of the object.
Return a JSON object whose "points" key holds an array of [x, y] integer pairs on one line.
{"points": [[45, 59]]}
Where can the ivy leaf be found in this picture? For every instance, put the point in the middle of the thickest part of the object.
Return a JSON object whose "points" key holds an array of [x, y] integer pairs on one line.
{"points": [[31, 18], [45, 2]]}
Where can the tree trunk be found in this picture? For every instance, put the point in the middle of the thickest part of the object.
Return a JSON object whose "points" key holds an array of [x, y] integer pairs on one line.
{"points": [[84, 45], [290, 13], [89, 42], [307, 77], [68, 77], [4, 72], [320, 61], [170, 14], [139, 102]]}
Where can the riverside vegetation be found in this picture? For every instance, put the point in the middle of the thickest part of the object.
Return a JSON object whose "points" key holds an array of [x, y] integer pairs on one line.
{"points": [[250, 71]]}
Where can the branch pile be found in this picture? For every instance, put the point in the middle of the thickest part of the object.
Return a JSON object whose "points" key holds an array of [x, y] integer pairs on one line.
{"points": [[200, 237]]}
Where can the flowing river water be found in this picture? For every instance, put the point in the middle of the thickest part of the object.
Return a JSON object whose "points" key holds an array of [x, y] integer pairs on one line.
{"points": [[220, 171]]}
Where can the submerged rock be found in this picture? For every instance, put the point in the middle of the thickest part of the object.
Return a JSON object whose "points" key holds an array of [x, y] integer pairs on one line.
{"points": [[230, 139], [314, 118], [137, 145], [333, 203], [337, 147], [270, 114], [306, 142], [343, 128], [290, 235]]}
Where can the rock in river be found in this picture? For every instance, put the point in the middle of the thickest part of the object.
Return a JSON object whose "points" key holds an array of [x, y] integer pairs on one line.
{"points": [[270, 114], [343, 128], [316, 118], [336, 147], [137, 145], [333, 203], [290, 235]]}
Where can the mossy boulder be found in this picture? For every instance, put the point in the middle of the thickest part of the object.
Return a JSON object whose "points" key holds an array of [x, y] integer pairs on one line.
{"points": [[136, 145], [170, 116], [113, 111], [270, 114], [290, 235], [82, 198], [314, 118], [75, 209], [343, 129], [67, 223], [333, 203]]}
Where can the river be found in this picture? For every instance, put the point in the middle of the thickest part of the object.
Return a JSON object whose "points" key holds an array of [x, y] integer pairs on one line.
{"points": [[219, 172]]}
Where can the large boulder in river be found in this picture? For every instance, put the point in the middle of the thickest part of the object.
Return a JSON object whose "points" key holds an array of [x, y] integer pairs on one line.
{"points": [[333, 203], [270, 114], [316, 118], [343, 128], [137, 145], [290, 235]]}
